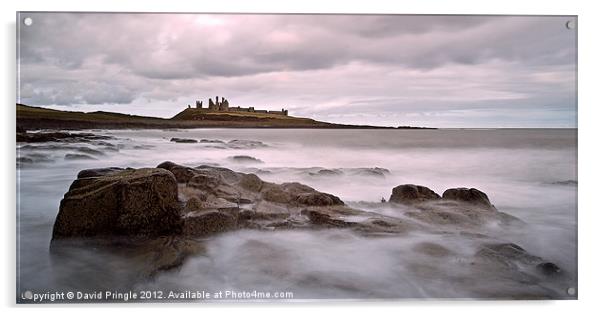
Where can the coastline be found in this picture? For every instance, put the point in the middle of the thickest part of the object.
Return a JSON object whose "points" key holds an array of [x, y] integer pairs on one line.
{"points": [[36, 118]]}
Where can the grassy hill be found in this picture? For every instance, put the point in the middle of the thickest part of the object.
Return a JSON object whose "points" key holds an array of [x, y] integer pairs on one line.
{"points": [[29, 117]]}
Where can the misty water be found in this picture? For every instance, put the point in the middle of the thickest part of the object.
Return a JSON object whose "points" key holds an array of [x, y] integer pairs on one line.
{"points": [[528, 173]]}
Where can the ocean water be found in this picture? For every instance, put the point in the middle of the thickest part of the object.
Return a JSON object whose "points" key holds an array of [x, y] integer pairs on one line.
{"points": [[528, 173]]}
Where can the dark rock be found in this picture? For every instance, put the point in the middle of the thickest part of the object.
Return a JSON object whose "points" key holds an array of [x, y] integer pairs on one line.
{"points": [[182, 174], [90, 151], [297, 193], [211, 141], [194, 204], [41, 137], [318, 199], [327, 172], [410, 193], [140, 202], [506, 255], [245, 144], [225, 173], [548, 268], [98, 172], [245, 159], [24, 160], [382, 223], [183, 140], [207, 223], [432, 249], [205, 180], [251, 182], [78, 157], [471, 195], [274, 193], [321, 219], [372, 172]]}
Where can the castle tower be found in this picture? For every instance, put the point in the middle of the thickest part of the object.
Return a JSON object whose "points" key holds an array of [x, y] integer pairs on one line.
{"points": [[211, 105], [199, 104], [224, 105]]}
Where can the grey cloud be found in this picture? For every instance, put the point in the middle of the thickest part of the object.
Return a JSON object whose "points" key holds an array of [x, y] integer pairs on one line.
{"points": [[320, 65]]}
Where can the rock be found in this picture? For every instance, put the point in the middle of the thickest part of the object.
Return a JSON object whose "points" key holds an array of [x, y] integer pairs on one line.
{"points": [[410, 193], [321, 219], [506, 254], [274, 193], [41, 137], [140, 202], [165, 253], [225, 173], [202, 224], [98, 172], [327, 172], [251, 182], [90, 151], [444, 217], [78, 157], [183, 140], [245, 159], [548, 268], [318, 199], [211, 141], [24, 160], [471, 195], [205, 180], [372, 172], [245, 144], [432, 249], [299, 194], [182, 174], [194, 204]]}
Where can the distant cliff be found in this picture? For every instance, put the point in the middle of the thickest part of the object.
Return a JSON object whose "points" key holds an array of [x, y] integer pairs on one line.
{"points": [[29, 118]]}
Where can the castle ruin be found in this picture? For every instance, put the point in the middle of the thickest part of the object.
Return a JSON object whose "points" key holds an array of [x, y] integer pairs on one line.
{"points": [[224, 106]]}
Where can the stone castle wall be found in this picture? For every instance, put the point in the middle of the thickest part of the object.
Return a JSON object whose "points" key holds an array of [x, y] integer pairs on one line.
{"points": [[224, 106]]}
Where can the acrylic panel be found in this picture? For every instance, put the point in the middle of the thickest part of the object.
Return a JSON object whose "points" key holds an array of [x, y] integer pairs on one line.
{"points": [[172, 157]]}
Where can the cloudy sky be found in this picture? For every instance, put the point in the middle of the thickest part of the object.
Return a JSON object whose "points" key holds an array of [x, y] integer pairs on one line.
{"points": [[441, 71]]}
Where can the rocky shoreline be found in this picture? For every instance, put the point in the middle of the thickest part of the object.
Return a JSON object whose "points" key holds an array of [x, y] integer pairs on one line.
{"points": [[165, 215]]}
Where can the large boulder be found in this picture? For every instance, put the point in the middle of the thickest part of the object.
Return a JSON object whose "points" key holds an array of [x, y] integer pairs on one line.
{"points": [[142, 202], [472, 196], [411, 193]]}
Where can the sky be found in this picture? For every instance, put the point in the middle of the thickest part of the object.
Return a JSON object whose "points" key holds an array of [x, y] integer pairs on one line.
{"points": [[389, 70]]}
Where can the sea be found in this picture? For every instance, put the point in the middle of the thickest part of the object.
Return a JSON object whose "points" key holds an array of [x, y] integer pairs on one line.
{"points": [[528, 173]]}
